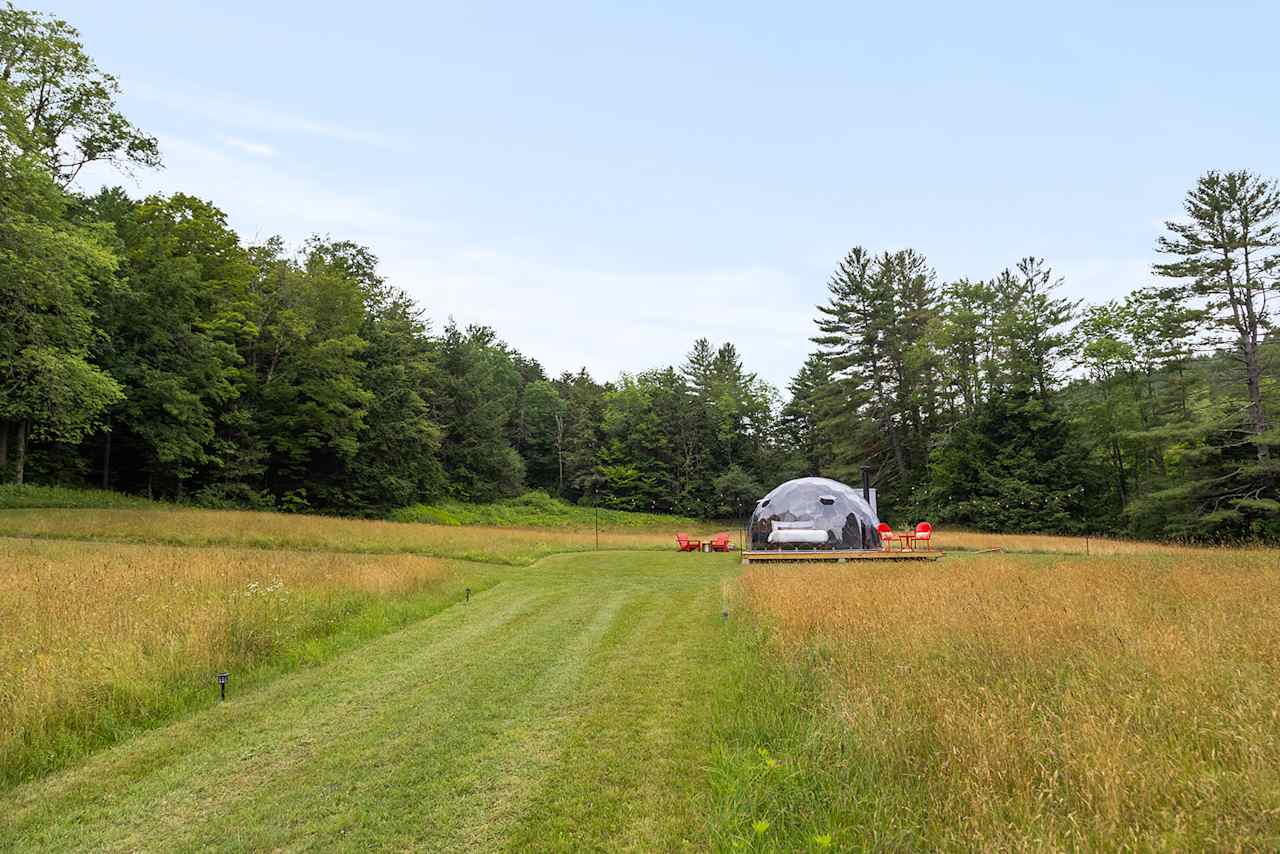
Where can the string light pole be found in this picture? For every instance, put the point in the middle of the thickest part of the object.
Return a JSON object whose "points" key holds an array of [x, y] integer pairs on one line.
{"points": [[595, 504]]}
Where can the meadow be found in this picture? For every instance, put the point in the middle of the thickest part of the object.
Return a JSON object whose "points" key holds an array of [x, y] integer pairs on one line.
{"points": [[960, 540], [631, 699], [1005, 702], [98, 641], [175, 526], [539, 510], [115, 613]]}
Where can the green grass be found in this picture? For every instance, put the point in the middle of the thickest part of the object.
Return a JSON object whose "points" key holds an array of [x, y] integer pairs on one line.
{"points": [[567, 707], [534, 509], [99, 642], [14, 497], [590, 702], [132, 709], [784, 774], [537, 510]]}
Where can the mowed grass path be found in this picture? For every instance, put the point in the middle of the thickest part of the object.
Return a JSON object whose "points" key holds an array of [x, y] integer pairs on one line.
{"points": [[567, 707]]}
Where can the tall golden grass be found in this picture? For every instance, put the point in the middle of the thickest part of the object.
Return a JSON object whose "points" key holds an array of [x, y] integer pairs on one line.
{"points": [[1051, 702], [948, 538], [97, 635], [514, 546]]}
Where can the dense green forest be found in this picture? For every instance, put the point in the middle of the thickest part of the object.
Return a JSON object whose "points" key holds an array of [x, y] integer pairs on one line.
{"points": [[145, 347]]}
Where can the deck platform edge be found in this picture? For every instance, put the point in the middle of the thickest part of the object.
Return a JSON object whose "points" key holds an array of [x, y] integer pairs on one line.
{"points": [[836, 556]]}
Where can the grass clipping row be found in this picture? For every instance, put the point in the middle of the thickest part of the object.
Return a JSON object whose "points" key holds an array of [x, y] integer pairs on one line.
{"points": [[1018, 701]]}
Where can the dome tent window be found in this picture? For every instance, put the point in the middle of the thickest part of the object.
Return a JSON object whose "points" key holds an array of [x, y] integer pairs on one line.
{"points": [[814, 513]]}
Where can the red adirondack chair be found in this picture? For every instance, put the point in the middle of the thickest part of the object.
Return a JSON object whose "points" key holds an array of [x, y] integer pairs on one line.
{"points": [[720, 543], [924, 533], [886, 535], [684, 544]]}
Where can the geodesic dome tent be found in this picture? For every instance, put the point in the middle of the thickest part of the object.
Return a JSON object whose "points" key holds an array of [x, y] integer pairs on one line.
{"points": [[814, 514]]}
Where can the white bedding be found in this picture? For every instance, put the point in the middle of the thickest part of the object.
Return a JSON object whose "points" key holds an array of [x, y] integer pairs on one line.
{"points": [[797, 535]]}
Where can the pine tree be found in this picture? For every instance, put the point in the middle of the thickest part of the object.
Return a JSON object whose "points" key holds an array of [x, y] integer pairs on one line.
{"points": [[543, 416], [583, 438], [473, 402], [1029, 329], [1016, 466], [803, 417], [1227, 252], [699, 368], [875, 338]]}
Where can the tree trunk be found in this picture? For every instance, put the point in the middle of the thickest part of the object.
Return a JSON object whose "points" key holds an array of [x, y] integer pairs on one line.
{"points": [[4, 450], [560, 455], [898, 457], [21, 461], [1182, 392], [106, 462], [1253, 375], [1118, 456]]}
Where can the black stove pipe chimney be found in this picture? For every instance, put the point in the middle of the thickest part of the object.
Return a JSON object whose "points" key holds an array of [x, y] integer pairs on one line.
{"points": [[866, 484]]}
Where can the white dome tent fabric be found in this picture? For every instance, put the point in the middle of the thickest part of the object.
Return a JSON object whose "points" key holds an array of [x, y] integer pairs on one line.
{"points": [[814, 514]]}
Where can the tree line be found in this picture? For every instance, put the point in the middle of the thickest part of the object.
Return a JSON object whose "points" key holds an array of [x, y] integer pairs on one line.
{"points": [[999, 404], [145, 347]]}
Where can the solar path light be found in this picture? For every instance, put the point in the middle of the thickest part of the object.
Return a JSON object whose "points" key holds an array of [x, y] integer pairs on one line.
{"points": [[222, 684]]}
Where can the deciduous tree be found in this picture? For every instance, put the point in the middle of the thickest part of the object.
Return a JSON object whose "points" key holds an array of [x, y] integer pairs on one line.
{"points": [[56, 104]]}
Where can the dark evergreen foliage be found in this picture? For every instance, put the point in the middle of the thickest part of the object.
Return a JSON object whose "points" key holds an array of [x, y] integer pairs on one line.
{"points": [[1015, 466]]}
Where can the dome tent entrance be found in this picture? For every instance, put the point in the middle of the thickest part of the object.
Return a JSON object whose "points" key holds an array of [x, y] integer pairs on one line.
{"points": [[814, 514]]}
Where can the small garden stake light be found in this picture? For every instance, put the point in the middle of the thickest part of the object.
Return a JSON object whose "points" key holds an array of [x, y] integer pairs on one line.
{"points": [[222, 684], [468, 594]]}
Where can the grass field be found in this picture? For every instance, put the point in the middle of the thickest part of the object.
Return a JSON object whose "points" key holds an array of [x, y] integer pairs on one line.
{"points": [[98, 640], [243, 529], [1054, 544], [537, 510], [1013, 702], [568, 706], [27, 496], [1034, 698]]}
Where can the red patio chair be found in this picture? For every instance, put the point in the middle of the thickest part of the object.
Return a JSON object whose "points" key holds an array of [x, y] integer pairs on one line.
{"points": [[886, 535], [924, 533], [684, 544], [720, 543]]}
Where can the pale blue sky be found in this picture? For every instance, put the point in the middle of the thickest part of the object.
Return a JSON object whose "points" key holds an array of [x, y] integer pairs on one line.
{"points": [[604, 183]]}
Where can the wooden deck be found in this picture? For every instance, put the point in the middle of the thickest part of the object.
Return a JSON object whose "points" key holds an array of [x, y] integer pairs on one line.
{"points": [[836, 556]]}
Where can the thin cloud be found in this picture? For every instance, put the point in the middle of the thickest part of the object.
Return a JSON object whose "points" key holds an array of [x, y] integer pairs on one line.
{"points": [[262, 117], [257, 149], [263, 197]]}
